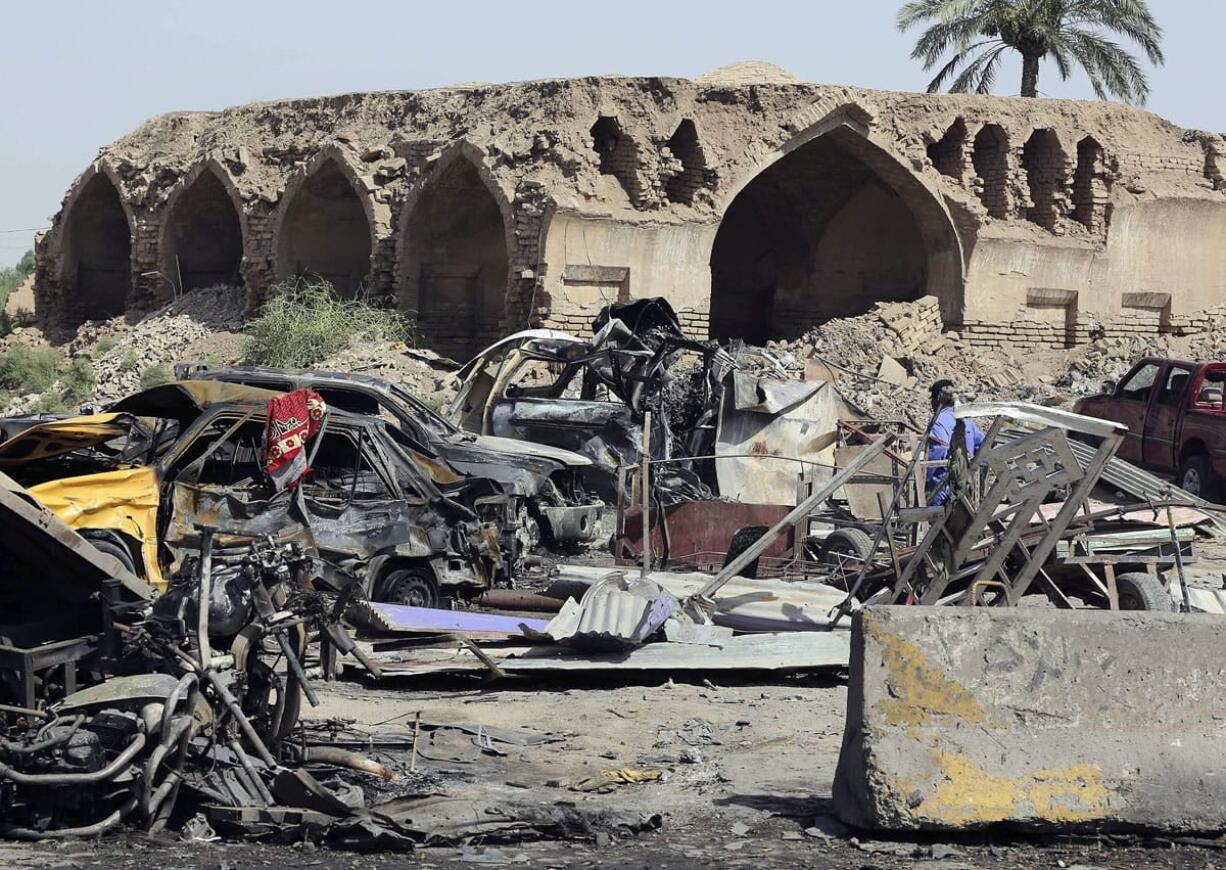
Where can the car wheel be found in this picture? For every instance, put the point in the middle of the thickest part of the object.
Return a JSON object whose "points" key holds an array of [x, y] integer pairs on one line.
{"points": [[112, 548], [843, 554], [414, 587], [742, 540], [1139, 591], [1196, 476]]}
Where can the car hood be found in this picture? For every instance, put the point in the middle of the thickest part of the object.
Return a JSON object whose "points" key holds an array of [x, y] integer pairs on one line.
{"points": [[532, 449], [57, 437]]}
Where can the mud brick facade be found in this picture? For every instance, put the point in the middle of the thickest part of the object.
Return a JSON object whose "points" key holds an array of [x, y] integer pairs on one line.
{"points": [[758, 204]]}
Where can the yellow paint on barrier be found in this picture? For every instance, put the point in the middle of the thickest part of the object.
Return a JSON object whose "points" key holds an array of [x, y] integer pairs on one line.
{"points": [[125, 501], [968, 794], [919, 689]]}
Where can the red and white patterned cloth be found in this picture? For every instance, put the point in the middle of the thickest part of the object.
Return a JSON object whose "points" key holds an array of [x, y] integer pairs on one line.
{"points": [[293, 419]]}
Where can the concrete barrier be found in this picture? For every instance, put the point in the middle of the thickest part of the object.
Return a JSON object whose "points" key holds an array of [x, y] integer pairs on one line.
{"points": [[961, 718]]}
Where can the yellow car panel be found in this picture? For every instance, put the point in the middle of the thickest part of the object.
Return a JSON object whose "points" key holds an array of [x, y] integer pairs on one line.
{"points": [[125, 501], [58, 437]]}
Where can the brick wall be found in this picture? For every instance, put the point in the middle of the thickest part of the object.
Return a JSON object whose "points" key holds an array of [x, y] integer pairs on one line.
{"points": [[1023, 332]]}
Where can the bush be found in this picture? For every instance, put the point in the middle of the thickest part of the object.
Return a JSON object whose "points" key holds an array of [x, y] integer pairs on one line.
{"points": [[130, 361], [105, 345], [305, 322], [155, 376], [29, 370], [78, 381]]}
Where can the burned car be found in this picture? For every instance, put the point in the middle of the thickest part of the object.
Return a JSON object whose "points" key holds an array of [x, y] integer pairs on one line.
{"points": [[143, 480], [725, 421], [555, 503]]}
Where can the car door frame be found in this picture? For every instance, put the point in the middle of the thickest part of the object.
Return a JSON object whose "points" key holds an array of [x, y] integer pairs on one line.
{"points": [[1160, 441]]}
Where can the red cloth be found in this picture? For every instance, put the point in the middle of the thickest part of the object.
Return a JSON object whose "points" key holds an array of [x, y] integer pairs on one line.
{"points": [[293, 419]]}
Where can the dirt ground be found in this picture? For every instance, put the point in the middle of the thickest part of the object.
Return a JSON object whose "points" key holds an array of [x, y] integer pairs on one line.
{"points": [[761, 772], [746, 767]]}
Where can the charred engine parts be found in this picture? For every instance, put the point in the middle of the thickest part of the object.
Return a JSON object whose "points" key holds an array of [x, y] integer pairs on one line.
{"points": [[194, 707]]}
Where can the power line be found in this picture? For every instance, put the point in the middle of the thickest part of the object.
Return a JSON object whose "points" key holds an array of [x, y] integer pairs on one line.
{"points": [[26, 230]]}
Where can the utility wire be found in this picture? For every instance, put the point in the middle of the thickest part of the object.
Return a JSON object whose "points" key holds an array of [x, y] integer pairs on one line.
{"points": [[27, 230]]}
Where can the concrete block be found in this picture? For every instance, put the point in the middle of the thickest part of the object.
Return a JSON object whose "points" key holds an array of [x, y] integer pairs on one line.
{"points": [[962, 718]]}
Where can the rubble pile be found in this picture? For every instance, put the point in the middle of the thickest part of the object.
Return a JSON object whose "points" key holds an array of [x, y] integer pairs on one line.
{"points": [[421, 371], [882, 360]]}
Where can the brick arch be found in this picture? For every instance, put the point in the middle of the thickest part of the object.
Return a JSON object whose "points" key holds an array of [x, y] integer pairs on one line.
{"points": [[454, 252], [211, 166], [95, 280], [338, 256], [832, 179]]}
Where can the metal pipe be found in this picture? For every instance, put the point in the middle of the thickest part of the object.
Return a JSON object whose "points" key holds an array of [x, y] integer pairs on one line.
{"points": [[1183, 580], [243, 722], [109, 772], [93, 830], [733, 568], [187, 681], [43, 745], [205, 590], [245, 761], [345, 758], [176, 731], [27, 711], [295, 668], [518, 599], [645, 495]]}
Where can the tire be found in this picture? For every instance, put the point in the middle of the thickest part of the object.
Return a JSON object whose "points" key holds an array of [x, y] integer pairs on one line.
{"points": [[109, 546], [1139, 591], [742, 540], [414, 587], [1196, 476], [844, 552]]}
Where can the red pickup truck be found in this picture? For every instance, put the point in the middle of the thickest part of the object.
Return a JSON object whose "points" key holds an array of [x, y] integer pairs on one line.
{"points": [[1175, 412]]}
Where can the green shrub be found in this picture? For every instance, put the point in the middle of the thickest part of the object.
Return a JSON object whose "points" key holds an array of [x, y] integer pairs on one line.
{"points": [[105, 345], [155, 376], [305, 322], [49, 402], [130, 361], [77, 381], [29, 369]]}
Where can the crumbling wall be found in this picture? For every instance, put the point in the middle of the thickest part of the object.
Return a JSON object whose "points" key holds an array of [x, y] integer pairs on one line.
{"points": [[620, 187]]}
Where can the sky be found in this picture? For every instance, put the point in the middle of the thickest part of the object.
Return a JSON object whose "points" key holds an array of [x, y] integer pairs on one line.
{"points": [[78, 74]]}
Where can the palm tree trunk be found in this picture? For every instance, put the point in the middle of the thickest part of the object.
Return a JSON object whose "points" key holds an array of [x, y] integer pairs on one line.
{"points": [[1030, 74]]}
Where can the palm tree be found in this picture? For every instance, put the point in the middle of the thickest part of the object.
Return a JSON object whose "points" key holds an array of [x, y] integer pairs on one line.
{"points": [[980, 32]]}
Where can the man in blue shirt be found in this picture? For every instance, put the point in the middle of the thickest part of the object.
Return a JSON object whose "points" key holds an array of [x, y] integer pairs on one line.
{"points": [[939, 439]]}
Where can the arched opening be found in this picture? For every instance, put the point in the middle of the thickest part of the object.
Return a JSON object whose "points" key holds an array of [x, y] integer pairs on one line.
{"points": [[325, 232], [455, 262], [827, 231], [1046, 174], [1090, 193], [202, 244], [97, 263], [948, 155], [690, 175], [990, 157], [618, 155]]}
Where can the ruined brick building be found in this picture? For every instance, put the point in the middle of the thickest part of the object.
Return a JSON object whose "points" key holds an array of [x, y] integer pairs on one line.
{"points": [[759, 205]]}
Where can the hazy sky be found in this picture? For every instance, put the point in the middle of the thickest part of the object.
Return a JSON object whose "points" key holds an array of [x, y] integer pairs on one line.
{"points": [[74, 76]]}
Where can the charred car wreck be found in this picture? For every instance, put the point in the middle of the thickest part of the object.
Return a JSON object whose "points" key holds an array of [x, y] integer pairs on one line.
{"points": [[546, 482], [141, 480], [183, 709], [709, 410]]}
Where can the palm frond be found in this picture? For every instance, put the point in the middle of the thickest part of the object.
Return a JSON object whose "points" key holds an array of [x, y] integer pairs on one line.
{"points": [[1119, 71]]}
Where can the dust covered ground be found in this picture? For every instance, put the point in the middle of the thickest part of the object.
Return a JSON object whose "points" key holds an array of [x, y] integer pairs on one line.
{"points": [[768, 751], [747, 766]]}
